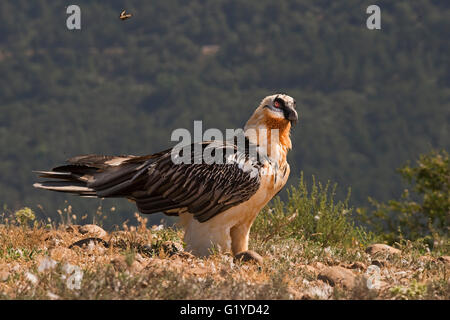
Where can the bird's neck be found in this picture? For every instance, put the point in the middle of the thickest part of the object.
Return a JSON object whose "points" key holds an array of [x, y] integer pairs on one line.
{"points": [[272, 136]]}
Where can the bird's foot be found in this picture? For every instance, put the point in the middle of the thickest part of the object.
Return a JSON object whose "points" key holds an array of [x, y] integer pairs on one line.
{"points": [[249, 256]]}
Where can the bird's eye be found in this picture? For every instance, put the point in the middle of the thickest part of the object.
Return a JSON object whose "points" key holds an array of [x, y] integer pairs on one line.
{"points": [[276, 104]]}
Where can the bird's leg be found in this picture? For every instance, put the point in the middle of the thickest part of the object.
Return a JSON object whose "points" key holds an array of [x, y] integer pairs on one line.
{"points": [[239, 244], [239, 238]]}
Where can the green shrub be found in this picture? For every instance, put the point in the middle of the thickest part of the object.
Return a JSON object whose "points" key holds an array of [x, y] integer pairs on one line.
{"points": [[24, 216], [314, 215], [423, 212], [414, 291]]}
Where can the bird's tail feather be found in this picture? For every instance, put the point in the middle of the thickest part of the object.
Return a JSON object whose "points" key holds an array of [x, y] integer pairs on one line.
{"points": [[64, 182], [66, 186], [94, 176]]}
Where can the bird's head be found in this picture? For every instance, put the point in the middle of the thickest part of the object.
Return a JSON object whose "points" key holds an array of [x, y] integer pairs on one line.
{"points": [[275, 112], [279, 107]]}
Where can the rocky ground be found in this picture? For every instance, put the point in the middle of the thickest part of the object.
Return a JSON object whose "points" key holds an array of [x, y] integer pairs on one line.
{"points": [[86, 262]]}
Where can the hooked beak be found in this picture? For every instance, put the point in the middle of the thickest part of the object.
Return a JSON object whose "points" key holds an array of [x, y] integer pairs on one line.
{"points": [[291, 115]]}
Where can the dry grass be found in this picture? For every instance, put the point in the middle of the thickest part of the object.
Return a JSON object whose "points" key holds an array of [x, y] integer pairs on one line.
{"points": [[35, 264]]}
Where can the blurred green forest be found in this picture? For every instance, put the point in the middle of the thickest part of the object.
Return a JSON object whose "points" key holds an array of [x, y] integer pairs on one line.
{"points": [[368, 100]]}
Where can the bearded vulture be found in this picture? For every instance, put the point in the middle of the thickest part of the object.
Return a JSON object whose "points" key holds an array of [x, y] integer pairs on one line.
{"points": [[216, 202]]}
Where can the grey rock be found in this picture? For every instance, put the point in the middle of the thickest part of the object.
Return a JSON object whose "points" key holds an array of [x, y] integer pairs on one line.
{"points": [[338, 276], [383, 249], [92, 230], [249, 256]]}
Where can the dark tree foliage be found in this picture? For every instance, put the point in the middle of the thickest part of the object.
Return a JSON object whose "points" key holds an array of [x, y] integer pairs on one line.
{"points": [[368, 100]]}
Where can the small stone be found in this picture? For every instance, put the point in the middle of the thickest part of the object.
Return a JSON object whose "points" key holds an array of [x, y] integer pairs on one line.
{"points": [[338, 276], [92, 229], [249, 256], [380, 248], [4, 275]]}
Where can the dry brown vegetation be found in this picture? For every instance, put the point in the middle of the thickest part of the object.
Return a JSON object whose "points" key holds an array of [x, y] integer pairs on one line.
{"points": [[39, 262]]}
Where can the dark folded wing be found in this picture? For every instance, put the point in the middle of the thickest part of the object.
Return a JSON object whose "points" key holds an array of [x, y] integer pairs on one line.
{"points": [[202, 189], [158, 184]]}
